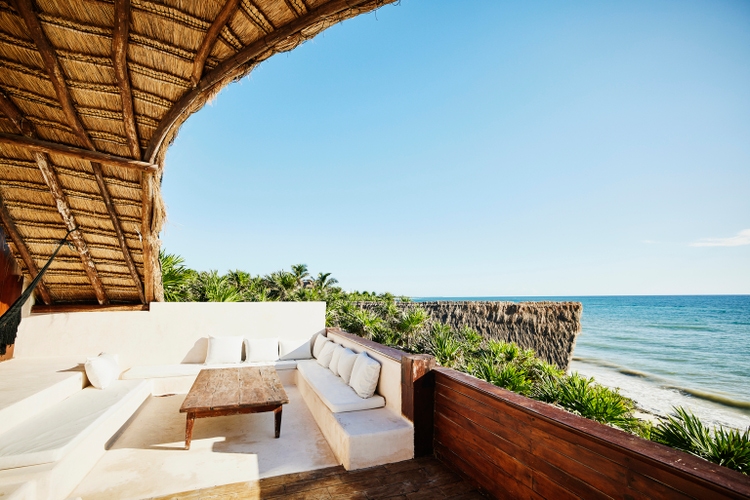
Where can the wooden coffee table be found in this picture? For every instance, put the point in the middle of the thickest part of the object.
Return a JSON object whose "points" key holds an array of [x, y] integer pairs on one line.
{"points": [[220, 392]]}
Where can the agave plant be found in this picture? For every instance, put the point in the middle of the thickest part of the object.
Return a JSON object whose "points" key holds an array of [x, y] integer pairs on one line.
{"points": [[443, 344], [684, 431]]}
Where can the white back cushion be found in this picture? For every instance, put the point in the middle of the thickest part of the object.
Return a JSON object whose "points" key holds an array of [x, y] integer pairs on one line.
{"points": [[334, 366], [261, 350], [224, 350], [346, 363], [102, 370], [326, 353], [320, 341], [294, 349], [365, 374]]}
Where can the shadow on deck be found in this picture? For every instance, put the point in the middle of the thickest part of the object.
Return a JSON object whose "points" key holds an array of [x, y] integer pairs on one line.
{"points": [[421, 478]]}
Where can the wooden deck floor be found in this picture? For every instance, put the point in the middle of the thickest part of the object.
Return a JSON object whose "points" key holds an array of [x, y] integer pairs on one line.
{"points": [[422, 478]]}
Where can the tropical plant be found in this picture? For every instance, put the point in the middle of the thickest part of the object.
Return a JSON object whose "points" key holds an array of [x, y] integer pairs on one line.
{"points": [[441, 343], [175, 276], [684, 431]]}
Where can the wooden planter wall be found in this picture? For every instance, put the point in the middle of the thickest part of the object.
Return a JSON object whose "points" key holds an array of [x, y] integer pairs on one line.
{"points": [[515, 447]]}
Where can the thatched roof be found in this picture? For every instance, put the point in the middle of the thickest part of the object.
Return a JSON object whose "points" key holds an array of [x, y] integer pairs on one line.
{"points": [[91, 94]]}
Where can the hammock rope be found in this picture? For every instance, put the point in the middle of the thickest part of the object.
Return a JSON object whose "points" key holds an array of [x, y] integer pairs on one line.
{"points": [[10, 320]]}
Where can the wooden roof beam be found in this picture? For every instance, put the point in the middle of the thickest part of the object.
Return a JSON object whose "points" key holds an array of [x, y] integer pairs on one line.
{"points": [[225, 14], [28, 260], [50, 177], [57, 77], [74, 152], [120, 63]]}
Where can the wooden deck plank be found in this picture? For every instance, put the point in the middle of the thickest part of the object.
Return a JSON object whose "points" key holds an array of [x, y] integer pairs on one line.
{"points": [[420, 478]]}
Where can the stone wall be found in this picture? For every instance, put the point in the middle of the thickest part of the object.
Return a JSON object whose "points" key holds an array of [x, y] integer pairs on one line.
{"points": [[550, 328]]}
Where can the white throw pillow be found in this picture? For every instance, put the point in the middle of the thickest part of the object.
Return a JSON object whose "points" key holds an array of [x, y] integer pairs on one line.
{"points": [[346, 363], [365, 376], [224, 350], [257, 350], [320, 341], [102, 370], [294, 349], [334, 366], [326, 353]]}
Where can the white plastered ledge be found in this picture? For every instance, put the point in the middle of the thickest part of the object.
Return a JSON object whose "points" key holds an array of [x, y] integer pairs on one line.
{"points": [[49, 436], [30, 386]]}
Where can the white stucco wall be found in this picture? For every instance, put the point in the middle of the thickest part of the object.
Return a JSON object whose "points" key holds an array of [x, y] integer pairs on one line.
{"points": [[169, 333]]}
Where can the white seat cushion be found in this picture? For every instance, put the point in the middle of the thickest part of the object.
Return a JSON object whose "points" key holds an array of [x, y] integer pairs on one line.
{"points": [[102, 370], [318, 344], [187, 369], [326, 353], [294, 349], [257, 350], [334, 365], [346, 363], [365, 375], [334, 393], [224, 350]]}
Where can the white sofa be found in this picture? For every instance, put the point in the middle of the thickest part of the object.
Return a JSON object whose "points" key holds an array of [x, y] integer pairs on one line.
{"points": [[361, 432]]}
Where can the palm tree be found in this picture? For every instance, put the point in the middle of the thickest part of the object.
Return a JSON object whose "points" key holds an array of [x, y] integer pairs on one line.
{"points": [[282, 284], [301, 273], [175, 277], [324, 281]]}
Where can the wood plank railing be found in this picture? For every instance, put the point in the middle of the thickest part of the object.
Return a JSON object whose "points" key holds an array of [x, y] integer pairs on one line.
{"points": [[515, 447]]}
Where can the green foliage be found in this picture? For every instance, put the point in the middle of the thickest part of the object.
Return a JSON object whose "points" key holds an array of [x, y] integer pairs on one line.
{"points": [[175, 276], [582, 396], [684, 431], [444, 345]]}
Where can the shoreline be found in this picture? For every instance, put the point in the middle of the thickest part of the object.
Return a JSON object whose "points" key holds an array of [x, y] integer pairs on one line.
{"points": [[654, 401]]}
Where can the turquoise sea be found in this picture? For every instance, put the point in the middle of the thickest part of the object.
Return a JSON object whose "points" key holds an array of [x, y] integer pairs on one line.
{"points": [[664, 351]]}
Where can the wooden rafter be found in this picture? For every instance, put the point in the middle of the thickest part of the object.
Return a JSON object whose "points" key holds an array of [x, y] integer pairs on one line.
{"points": [[118, 229], [296, 7], [73, 152], [237, 61], [225, 14], [120, 63], [57, 77], [50, 177], [10, 110], [22, 249], [147, 208]]}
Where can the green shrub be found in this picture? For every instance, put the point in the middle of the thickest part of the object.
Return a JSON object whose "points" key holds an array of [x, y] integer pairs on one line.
{"points": [[684, 431], [584, 397], [443, 344]]}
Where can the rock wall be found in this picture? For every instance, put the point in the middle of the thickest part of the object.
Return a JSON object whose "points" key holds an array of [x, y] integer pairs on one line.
{"points": [[550, 328]]}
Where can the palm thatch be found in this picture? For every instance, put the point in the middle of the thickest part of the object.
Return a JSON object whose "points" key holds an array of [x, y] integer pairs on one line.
{"points": [[91, 94]]}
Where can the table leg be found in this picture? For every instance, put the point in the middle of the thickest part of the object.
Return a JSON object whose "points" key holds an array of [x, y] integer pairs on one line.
{"points": [[190, 420], [277, 418]]}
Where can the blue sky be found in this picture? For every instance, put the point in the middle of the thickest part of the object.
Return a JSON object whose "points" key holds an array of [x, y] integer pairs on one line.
{"points": [[533, 148]]}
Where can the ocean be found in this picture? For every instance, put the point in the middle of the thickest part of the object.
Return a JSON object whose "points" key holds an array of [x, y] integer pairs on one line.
{"points": [[666, 351]]}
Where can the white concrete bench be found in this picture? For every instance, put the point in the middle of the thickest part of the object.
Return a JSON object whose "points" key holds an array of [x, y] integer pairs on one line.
{"points": [[30, 386], [57, 448], [361, 432]]}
